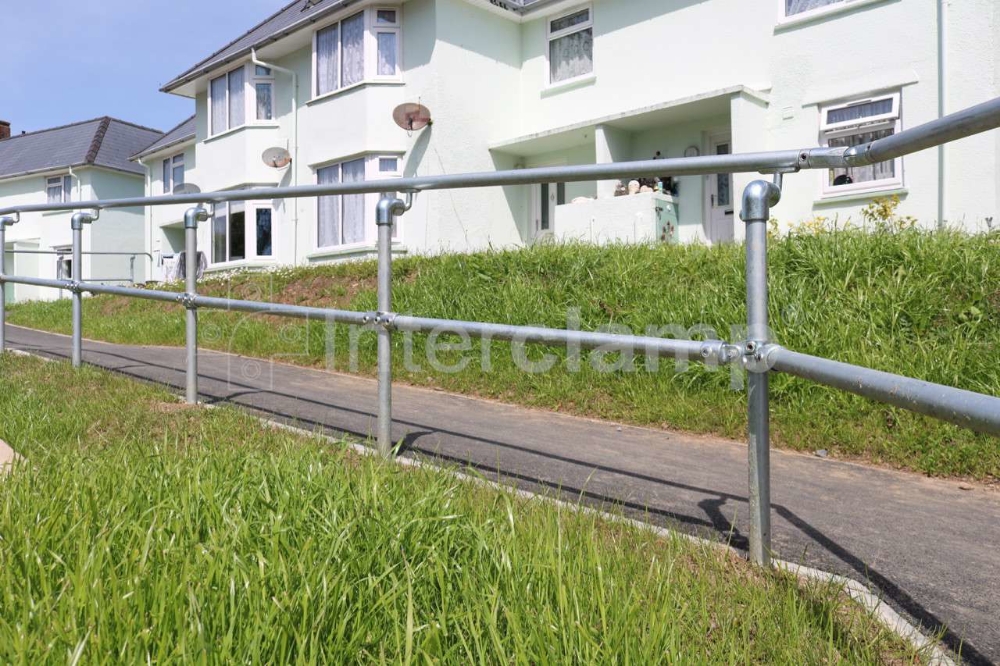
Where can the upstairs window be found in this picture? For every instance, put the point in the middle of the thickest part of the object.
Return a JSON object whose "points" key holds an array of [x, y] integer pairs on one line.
{"points": [[227, 101], [386, 29], [59, 189], [263, 84], [571, 46], [339, 52], [796, 7], [173, 173], [857, 123]]}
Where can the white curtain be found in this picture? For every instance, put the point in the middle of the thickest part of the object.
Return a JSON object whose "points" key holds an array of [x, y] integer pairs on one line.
{"points": [[859, 111], [352, 68], [387, 54], [327, 45], [793, 7], [329, 209], [354, 204], [237, 106], [265, 109], [219, 105], [571, 56]]}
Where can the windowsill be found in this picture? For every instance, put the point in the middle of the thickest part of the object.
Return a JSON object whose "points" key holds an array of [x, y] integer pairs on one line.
{"points": [[354, 86], [832, 199], [242, 263], [806, 18], [234, 130], [570, 84], [350, 250]]}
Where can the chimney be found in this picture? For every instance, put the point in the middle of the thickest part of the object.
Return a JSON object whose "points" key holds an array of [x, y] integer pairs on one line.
{"points": [[4, 130]]}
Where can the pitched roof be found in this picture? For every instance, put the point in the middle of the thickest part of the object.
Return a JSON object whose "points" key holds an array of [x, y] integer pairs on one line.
{"points": [[105, 142], [183, 132], [287, 20]]}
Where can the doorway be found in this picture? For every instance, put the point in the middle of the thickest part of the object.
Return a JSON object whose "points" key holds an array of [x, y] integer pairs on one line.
{"points": [[544, 199], [719, 225]]}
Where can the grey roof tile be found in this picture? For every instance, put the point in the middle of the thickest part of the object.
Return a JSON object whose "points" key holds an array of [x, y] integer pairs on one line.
{"points": [[106, 142], [183, 132]]}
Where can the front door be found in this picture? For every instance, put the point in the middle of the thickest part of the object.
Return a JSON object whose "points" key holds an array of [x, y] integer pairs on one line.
{"points": [[545, 198], [720, 196]]}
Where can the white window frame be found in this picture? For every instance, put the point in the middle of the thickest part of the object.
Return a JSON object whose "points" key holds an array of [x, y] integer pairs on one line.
{"points": [[370, 46], [249, 95], [892, 120], [807, 16], [250, 209], [375, 29], [552, 36], [65, 183], [167, 175], [372, 172], [264, 79]]}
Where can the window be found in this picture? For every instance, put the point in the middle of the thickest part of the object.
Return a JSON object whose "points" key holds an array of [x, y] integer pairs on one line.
{"points": [[387, 42], [59, 189], [341, 218], [173, 173], [263, 84], [363, 46], [795, 7], [339, 52], [227, 100], [236, 222], [857, 123], [571, 46]]}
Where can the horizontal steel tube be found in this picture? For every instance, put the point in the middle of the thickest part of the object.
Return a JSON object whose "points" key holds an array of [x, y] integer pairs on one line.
{"points": [[681, 166], [38, 282], [282, 310], [700, 350], [131, 292], [976, 119], [965, 408]]}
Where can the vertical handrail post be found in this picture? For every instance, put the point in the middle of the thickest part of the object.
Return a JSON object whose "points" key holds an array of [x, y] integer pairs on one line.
{"points": [[758, 198], [4, 223], [389, 206], [77, 222], [192, 216]]}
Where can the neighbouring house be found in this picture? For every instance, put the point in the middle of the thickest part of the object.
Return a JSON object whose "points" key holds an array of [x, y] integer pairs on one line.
{"points": [[79, 162], [524, 83]]}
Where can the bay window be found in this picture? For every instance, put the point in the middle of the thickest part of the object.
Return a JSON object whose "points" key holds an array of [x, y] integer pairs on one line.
{"points": [[857, 123], [348, 219], [173, 173], [365, 45], [240, 231], [571, 45], [59, 189], [227, 101]]}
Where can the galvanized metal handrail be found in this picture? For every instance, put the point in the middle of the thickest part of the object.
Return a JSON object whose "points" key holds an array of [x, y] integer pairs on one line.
{"points": [[759, 355]]}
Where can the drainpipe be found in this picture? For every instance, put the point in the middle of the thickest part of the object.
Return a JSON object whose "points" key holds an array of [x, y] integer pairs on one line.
{"points": [[295, 145], [942, 94]]}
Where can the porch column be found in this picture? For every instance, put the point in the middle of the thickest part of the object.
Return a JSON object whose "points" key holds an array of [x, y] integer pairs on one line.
{"points": [[610, 145]]}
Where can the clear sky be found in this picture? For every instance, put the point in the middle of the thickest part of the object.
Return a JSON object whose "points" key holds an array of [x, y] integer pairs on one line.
{"points": [[67, 60]]}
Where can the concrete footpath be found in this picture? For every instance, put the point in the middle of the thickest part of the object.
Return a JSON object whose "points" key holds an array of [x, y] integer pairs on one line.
{"points": [[928, 546]]}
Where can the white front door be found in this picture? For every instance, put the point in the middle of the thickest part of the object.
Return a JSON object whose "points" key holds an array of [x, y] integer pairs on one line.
{"points": [[545, 198], [719, 228]]}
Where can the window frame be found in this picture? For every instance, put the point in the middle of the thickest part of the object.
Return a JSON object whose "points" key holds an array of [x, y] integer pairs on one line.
{"points": [[250, 209], [369, 45], [65, 187], [372, 172], [892, 120], [837, 7], [262, 79], [551, 36], [167, 176], [249, 95]]}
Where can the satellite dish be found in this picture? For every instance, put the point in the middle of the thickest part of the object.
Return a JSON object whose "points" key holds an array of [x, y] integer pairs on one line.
{"points": [[412, 117], [276, 158], [186, 188]]}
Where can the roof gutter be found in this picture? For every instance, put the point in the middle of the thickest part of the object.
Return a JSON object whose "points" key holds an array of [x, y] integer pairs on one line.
{"points": [[295, 140]]}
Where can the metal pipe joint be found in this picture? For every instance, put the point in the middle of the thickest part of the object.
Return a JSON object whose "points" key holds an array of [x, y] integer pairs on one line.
{"points": [[80, 219], [758, 197], [194, 215], [389, 206]]}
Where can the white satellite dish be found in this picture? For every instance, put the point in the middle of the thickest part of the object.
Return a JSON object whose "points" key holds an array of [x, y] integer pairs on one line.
{"points": [[276, 158], [186, 188]]}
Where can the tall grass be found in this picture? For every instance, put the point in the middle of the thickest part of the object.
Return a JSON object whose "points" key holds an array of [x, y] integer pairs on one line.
{"points": [[916, 303], [141, 530]]}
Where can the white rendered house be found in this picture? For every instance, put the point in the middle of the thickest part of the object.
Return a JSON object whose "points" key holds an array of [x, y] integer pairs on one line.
{"points": [[524, 83], [78, 162]]}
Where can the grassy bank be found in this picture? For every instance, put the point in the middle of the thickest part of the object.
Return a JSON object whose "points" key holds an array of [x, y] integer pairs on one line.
{"points": [[143, 530], [916, 303]]}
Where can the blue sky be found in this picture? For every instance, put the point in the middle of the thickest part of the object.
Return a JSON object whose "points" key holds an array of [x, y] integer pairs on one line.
{"points": [[67, 60]]}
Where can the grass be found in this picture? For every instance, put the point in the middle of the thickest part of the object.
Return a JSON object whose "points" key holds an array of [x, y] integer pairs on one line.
{"points": [[140, 529], [922, 304]]}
